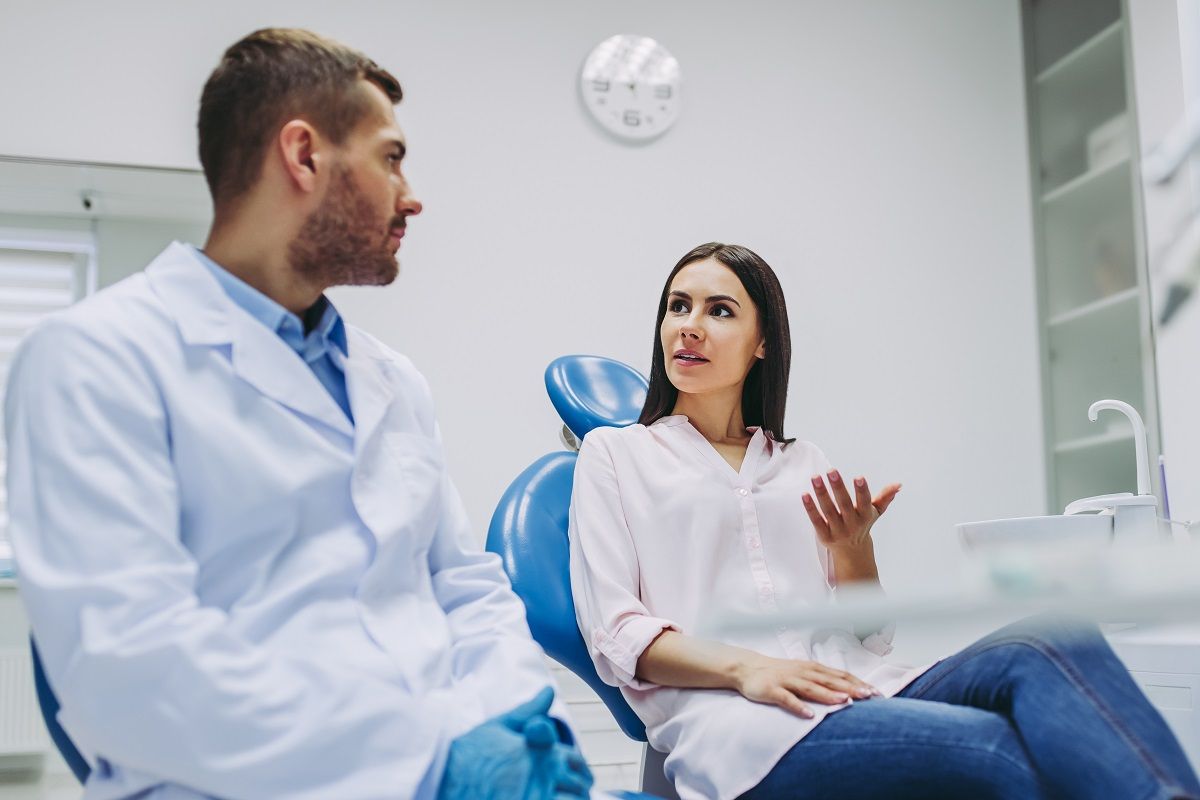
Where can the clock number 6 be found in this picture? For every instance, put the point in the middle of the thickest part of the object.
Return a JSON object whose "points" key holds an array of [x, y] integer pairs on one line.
{"points": [[633, 118]]}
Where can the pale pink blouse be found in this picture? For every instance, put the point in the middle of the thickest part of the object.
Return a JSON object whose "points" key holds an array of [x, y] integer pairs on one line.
{"points": [[665, 534]]}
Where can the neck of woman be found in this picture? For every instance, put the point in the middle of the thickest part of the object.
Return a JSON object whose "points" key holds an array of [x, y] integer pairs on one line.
{"points": [[717, 415]]}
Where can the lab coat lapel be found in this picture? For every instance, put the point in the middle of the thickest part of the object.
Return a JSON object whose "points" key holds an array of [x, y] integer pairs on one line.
{"points": [[264, 360], [398, 469], [207, 316], [371, 392]]}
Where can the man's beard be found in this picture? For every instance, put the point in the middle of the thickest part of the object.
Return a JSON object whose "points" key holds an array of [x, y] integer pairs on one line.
{"points": [[342, 242]]}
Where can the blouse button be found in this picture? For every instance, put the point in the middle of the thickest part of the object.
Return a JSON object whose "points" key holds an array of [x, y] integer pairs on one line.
{"points": [[754, 543], [742, 492]]}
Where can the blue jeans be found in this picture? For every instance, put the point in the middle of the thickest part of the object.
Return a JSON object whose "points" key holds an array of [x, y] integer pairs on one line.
{"points": [[1039, 709]]}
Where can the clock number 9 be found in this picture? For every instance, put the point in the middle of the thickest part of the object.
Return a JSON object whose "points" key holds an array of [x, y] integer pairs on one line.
{"points": [[600, 85], [632, 118]]}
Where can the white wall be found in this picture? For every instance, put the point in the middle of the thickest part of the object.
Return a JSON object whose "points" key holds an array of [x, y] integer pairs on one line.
{"points": [[874, 153]]}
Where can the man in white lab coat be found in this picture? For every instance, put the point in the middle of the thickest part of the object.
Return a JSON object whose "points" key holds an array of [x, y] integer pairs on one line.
{"points": [[247, 571]]}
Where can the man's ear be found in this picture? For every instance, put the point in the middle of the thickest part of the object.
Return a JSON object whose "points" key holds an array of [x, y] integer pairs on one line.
{"points": [[298, 143]]}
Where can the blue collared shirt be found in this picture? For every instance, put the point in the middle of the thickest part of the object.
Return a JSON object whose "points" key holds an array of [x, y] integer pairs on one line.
{"points": [[316, 348]]}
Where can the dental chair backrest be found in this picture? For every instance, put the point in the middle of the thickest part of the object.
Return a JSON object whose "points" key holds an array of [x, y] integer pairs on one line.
{"points": [[529, 528]]}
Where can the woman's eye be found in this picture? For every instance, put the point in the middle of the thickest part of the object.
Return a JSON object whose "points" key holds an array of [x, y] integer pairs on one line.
{"points": [[721, 311], [677, 307]]}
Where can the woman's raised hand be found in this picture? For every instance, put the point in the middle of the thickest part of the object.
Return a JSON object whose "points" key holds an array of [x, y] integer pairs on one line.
{"points": [[842, 522], [788, 683]]}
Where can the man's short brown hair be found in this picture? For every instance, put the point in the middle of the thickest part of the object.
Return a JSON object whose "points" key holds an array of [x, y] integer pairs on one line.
{"points": [[268, 78]]}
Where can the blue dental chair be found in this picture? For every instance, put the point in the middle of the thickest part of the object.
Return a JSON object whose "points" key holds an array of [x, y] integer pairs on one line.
{"points": [[529, 529]]}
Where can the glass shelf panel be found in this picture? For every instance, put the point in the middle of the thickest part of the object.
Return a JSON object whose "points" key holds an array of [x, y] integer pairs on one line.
{"points": [[1105, 468], [1095, 357], [1073, 99], [1061, 26], [1088, 236]]}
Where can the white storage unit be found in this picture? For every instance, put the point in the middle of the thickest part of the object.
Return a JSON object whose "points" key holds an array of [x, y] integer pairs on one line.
{"points": [[1093, 290], [1165, 662]]}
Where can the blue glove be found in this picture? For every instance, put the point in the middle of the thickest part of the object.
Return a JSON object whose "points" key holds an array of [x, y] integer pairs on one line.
{"points": [[515, 756]]}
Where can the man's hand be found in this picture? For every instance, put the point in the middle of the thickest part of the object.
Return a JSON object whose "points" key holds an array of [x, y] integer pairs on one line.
{"points": [[515, 756]]}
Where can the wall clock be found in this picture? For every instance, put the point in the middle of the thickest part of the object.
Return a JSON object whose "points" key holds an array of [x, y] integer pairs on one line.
{"points": [[631, 85]]}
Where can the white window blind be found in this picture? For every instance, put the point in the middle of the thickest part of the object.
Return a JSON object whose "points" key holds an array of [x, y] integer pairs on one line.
{"points": [[39, 274]]}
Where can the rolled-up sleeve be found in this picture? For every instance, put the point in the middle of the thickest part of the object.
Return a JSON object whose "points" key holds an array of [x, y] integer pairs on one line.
{"points": [[605, 575]]}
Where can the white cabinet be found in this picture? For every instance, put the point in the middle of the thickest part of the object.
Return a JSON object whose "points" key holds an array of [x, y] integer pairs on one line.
{"points": [[1093, 302]]}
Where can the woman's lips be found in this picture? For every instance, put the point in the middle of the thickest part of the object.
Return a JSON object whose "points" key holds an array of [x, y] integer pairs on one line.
{"points": [[695, 361]]}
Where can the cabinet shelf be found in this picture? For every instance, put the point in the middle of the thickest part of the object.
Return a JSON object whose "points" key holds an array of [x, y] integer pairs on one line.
{"points": [[1108, 38], [1088, 309], [1079, 184], [1097, 440], [1081, 92]]}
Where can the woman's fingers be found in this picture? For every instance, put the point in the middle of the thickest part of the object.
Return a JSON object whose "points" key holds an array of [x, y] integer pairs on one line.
{"points": [[818, 521], [854, 688], [787, 699], [841, 494], [837, 679], [832, 515], [886, 497], [862, 496], [810, 690]]}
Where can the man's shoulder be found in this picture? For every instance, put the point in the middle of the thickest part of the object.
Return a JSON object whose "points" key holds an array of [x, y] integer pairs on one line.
{"points": [[128, 312]]}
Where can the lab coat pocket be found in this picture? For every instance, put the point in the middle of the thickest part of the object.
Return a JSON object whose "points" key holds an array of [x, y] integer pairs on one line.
{"points": [[415, 493]]}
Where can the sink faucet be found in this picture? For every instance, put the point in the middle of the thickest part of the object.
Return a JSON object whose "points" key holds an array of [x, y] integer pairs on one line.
{"points": [[1134, 515], [1139, 437]]}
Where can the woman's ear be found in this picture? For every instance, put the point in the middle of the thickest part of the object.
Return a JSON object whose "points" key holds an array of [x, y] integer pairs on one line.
{"points": [[761, 352]]}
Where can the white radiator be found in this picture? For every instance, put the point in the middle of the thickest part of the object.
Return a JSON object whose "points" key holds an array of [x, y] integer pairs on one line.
{"points": [[21, 729], [22, 733]]}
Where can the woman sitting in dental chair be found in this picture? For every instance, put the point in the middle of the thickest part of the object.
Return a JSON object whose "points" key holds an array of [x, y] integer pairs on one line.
{"points": [[705, 507]]}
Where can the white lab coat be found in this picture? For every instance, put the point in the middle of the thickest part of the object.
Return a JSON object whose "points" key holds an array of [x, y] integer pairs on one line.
{"points": [[236, 592]]}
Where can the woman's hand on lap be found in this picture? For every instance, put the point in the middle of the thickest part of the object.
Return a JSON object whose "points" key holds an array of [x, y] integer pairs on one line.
{"points": [[787, 683]]}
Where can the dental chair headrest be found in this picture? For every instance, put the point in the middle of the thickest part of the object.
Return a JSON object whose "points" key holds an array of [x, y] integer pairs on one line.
{"points": [[592, 392]]}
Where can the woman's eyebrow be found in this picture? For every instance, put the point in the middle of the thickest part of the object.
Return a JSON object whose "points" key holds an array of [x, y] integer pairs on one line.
{"points": [[716, 298]]}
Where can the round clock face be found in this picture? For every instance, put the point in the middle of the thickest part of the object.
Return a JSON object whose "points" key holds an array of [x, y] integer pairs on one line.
{"points": [[631, 86]]}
